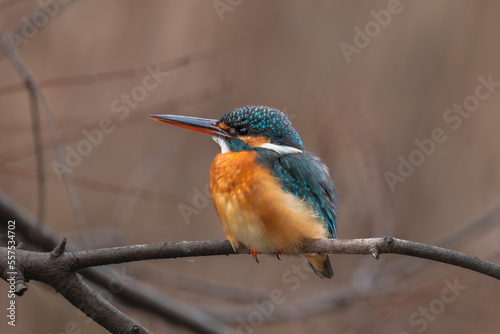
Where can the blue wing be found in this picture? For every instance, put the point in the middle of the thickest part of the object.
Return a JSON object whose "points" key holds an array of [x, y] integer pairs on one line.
{"points": [[306, 176]]}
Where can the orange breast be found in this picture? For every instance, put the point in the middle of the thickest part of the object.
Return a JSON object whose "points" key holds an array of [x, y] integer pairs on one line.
{"points": [[253, 208]]}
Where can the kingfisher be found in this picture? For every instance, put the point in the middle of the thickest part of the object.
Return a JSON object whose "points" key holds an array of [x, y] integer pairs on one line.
{"points": [[269, 193]]}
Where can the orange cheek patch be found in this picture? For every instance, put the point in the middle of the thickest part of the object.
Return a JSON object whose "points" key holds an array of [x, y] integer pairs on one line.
{"points": [[223, 126], [255, 141]]}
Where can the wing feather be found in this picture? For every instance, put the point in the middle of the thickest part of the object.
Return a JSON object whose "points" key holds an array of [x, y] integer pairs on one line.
{"points": [[306, 176]]}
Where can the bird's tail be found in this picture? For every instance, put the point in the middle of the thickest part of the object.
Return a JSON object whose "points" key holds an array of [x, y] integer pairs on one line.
{"points": [[320, 264]]}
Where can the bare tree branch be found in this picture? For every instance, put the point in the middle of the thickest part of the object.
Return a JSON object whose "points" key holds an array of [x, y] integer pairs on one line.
{"points": [[372, 246], [58, 268], [326, 301], [135, 294], [146, 298], [70, 262], [52, 268]]}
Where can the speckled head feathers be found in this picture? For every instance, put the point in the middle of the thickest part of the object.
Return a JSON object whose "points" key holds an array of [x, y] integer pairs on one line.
{"points": [[261, 121]]}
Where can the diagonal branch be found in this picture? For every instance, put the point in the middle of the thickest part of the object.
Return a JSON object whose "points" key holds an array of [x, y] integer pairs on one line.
{"points": [[25, 73], [87, 79], [137, 294], [52, 268]]}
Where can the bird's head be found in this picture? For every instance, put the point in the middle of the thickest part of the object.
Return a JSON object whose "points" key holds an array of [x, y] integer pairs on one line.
{"points": [[244, 129]]}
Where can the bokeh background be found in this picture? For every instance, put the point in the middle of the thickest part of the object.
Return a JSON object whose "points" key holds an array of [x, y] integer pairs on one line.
{"points": [[361, 113]]}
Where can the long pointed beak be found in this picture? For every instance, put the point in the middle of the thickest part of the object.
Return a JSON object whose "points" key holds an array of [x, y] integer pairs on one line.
{"points": [[203, 125]]}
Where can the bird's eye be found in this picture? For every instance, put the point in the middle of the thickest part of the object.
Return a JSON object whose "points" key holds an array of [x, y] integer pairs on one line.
{"points": [[243, 131]]}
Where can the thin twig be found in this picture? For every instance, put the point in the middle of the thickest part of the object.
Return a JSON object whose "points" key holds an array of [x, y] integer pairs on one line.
{"points": [[99, 186], [137, 115], [30, 82], [401, 268], [86, 79], [35, 122], [37, 143]]}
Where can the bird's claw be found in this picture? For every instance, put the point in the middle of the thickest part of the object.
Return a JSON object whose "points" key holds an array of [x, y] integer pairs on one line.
{"points": [[254, 254], [278, 253]]}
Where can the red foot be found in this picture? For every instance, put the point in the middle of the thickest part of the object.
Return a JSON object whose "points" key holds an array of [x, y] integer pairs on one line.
{"points": [[278, 253], [254, 254]]}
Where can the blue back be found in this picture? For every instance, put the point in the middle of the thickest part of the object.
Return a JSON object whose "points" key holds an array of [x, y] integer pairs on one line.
{"points": [[306, 176]]}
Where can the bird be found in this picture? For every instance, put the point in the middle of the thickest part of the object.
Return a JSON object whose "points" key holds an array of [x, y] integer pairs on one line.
{"points": [[271, 195]]}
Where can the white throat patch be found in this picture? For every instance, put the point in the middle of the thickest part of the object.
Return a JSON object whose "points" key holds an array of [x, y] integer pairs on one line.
{"points": [[281, 149], [222, 143]]}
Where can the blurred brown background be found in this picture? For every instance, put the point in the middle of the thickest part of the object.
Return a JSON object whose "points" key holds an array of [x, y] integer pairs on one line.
{"points": [[359, 113]]}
